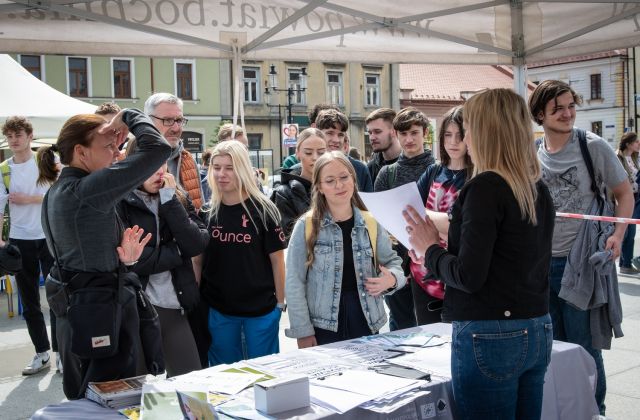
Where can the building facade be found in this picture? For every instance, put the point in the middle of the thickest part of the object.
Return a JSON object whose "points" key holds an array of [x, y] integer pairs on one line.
{"points": [[602, 80], [207, 88]]}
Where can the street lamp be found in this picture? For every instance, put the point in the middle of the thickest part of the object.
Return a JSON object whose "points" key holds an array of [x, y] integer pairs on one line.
{"points": [[273, 83], [273, 88]]}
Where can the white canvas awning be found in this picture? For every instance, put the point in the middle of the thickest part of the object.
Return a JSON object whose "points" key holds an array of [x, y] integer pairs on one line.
{"points": [[25, 95], [399, 31]]}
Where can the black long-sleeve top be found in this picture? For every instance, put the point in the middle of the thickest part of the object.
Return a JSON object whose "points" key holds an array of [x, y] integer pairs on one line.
{"points": [[497, 263], [82, 205]]}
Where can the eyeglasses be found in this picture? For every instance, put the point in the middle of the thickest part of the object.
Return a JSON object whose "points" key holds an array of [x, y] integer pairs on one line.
{"points": [[168, 122], [333, 182]]}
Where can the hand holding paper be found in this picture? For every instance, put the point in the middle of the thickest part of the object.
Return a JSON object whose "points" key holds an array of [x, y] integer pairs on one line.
{"points": [[387, 207], [421, 230]]}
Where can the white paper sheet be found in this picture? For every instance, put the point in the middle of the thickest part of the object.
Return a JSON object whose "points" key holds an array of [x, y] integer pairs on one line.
{"points": [[387, 207], [435, 360]]}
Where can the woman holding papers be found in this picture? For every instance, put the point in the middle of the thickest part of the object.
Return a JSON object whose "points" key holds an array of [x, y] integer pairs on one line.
{"points": [[339, 263], [497, 264]]}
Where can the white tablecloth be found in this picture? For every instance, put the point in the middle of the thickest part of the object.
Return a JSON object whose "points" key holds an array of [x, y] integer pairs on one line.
{"points": [[568, 393]]}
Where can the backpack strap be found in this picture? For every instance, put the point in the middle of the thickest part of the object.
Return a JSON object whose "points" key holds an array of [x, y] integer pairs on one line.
{"points": [[370, 223], [5, 169], [582, 141], [432, 176], [391, 174]]}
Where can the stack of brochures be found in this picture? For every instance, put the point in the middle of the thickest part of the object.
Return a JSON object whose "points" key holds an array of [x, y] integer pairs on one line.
{"points": [[117, 394]]}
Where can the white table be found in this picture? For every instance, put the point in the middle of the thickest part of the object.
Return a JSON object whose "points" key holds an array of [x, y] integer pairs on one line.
{"points": [[568, 393]]}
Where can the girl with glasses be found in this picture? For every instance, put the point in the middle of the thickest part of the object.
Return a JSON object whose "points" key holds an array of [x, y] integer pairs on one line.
{"points": [[335, 279]]}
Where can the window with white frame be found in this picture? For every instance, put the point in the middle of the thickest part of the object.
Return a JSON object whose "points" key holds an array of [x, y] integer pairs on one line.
{"points": [[33, 64], [78, 76], [251, 80], [372, 89], [185, 79], [295, 83], [335, 87], [122, 69]]}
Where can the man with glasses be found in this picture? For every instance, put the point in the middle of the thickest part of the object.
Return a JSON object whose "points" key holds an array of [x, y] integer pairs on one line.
{"points": [[165, 110]]}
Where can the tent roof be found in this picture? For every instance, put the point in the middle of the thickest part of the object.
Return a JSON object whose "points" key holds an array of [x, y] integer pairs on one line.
{"points": [[401, 31], [26, 95]]}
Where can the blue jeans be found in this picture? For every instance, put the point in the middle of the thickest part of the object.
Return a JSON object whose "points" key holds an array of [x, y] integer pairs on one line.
{"points": [[573, 326], [626, 254], [498, 367], [260, 336]]}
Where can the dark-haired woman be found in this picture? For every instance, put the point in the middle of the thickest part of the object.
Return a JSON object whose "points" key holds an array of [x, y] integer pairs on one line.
{"points": [[86, 236], [165, 267], [628, 154], [439, 187]]}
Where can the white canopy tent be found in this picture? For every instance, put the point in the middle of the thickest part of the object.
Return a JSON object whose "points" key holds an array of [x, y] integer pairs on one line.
{"points": [[26, 95], [513, 32]]}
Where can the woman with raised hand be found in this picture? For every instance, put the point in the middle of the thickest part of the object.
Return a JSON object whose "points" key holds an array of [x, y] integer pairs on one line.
{"points": [[293, 195], [243, 268], [496, 265], [339, 263], [89, 242]]}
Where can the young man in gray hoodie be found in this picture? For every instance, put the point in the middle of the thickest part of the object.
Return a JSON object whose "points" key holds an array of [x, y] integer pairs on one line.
{"points": [[411, 127]]}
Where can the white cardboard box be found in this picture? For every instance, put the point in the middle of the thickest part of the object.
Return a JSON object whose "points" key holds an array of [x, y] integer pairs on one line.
{"points": [[282, 394]]}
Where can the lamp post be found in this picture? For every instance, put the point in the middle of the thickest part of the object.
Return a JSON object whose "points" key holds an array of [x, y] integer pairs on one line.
{"points": [[273, 87], [290, 91]]}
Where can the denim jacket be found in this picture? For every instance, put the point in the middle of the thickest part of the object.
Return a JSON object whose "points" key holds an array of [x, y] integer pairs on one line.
{"points": [[313, 294]]}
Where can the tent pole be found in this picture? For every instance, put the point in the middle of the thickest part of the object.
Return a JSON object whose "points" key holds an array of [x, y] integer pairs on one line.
{"points": [[520, 80]]}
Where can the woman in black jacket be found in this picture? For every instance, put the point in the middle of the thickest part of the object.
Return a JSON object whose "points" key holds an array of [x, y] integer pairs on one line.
{"points": [[293, 195], [165, 267], [84, 234]]}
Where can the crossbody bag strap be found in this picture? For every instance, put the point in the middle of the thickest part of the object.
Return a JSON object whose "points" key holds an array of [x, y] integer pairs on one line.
{"points": [[47, 228]]}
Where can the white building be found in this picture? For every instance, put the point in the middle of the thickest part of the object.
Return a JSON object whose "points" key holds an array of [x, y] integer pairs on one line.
{"points": [[602, 81]]}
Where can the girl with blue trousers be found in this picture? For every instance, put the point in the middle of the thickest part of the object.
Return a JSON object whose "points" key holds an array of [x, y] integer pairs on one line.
{"points": [[496, 266], [335, 281]]}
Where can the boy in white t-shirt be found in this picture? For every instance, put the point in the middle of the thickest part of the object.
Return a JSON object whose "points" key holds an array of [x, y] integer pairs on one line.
{"points": [[23, 193]]}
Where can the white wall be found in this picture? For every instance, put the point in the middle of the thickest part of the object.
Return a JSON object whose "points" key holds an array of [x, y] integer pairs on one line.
{"points": [[610, 109]]}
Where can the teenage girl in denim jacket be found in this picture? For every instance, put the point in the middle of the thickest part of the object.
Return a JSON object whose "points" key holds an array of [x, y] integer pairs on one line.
{"points": [[332, 287]]}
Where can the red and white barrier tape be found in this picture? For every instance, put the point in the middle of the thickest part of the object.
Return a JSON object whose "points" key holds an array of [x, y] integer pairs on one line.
{"points": [[599, 218]]}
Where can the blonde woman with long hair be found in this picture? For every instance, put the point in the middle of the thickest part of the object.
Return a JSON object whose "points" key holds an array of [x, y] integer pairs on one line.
{"points": [[243, 268], [335, 278], [496, 265]]}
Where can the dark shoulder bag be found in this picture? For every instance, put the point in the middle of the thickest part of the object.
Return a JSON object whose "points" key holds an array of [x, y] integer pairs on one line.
{"points": [[90, 301]]}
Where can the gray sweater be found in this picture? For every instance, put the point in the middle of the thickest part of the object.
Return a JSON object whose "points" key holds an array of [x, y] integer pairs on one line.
{"points": [[402, 172], [590, 281], [81, 205]]}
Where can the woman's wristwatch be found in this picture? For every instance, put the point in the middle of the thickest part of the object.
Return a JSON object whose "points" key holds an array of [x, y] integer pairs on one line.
{"points": [[282, 307]]}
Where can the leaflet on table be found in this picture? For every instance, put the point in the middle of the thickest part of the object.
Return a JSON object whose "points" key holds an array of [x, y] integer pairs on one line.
{"points": [[387, 207], [223, 381], [303, 362], [352, 388], [194, 408], [242, 408], [160, 400], [404, 339], [361, 354], [390, 404], [437, 359]]}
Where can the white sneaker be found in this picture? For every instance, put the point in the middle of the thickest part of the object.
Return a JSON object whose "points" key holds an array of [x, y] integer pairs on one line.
{"points": [[58, 364], [40, 361]]}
